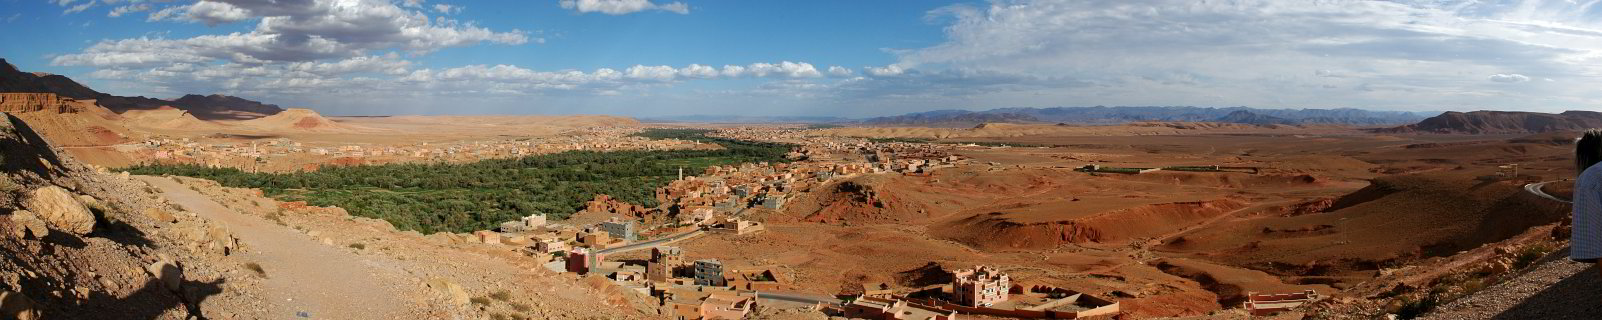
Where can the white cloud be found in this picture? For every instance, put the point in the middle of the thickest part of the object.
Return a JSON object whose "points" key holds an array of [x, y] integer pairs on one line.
{"points": [[77, 8], [214, 13], [659, 73], [291, 31], [885, 71], [447, 9], [13, 17], [1509, 78], [619, 7], [698, 71], [733, 71], [1386, 54], [838, 71], [119, 11]]}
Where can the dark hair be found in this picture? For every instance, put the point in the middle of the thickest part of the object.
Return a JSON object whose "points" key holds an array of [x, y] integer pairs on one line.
{"points": [[1588, 149]]}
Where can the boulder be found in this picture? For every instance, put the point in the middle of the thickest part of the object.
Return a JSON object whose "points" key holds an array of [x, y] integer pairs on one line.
{"points": [[453, 292], [222, 240], [89, 201], [61, 210], [16, 306], [28, 223], [160, 215], [168, 274]]}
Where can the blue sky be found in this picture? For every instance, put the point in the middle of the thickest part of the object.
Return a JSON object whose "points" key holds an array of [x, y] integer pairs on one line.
{"points": [[820, 57]]}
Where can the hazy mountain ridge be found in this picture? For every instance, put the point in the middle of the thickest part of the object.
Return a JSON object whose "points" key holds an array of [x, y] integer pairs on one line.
{"points": [[14, 80], [1113, 115], [943, 117], [1499, 122]]}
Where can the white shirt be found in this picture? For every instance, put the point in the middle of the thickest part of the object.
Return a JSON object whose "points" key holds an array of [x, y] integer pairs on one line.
{"points": [[1586, 241]]}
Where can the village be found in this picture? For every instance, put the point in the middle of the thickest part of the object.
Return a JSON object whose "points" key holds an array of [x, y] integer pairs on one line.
{"points": [[717, 201]]}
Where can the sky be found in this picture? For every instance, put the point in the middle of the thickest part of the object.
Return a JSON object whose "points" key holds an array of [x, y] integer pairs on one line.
{"points": [[846, 58]]}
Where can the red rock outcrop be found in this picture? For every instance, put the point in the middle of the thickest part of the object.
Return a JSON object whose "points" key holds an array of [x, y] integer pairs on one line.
{"points": [[37, 102]]}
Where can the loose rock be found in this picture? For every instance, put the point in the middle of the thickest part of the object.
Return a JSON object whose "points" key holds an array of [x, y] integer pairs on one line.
{"points": [[170, 276], [452, 291], [26, 222], [61, 210], [16, 306]]}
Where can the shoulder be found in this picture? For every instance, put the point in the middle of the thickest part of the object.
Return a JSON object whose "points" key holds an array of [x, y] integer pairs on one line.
{"points": [[1591, 176], [1590, 179]]}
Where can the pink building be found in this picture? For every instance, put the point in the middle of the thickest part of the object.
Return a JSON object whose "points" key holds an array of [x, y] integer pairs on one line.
{"points": [[980, 287]]}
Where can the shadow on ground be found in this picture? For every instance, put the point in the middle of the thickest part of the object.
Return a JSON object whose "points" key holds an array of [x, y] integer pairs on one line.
{"points": [[1577, 297]]}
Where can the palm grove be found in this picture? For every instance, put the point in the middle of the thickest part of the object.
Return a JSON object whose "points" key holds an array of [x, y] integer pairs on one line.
{"points": [[479, 195]]}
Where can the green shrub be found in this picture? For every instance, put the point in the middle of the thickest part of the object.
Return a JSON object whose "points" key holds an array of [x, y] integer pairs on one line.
{"points": [[451, 197]]}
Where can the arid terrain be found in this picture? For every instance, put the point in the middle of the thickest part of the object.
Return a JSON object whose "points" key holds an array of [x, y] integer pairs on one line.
{"points": [[1164, 219], [1368, 218]]}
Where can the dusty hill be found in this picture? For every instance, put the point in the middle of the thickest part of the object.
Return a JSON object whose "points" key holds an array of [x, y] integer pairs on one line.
{"points": [[218, 106], [1500, 122], [168, 118], [1443, 213], [298, 120]]}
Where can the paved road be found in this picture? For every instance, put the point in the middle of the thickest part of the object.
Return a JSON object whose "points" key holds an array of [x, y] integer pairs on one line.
{"points": [[797, 297], [652, 243], [303, 275], [596, 264], [1535, 188]]}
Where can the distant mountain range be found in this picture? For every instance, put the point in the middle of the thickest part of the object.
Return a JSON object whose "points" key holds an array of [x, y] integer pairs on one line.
{"points": [[212, 106], [1502, 122], [952, 117], [1114, 115]]}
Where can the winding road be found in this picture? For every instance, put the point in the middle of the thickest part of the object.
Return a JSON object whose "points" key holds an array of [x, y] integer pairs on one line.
{"points": [[1535, 188]]}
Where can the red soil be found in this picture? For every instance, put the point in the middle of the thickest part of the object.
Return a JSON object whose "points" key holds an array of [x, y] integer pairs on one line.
{"points": [[1000, 230]]}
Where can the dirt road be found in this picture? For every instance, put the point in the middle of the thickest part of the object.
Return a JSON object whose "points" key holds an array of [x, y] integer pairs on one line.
{"points": [[305, 278]]}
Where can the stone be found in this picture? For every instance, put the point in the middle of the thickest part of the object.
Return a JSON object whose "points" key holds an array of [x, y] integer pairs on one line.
{"points": [[223, 240], [89, 201], [16, 306], [453, 292], [61, 210], [28, 223], [161, 215], [168, 274]]}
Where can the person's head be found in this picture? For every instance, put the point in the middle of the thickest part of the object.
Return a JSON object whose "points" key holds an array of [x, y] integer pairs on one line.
{"points": [[1588, 149]]}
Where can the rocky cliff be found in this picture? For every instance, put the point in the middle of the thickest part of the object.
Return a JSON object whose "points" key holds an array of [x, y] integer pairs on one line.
{"points": [[37, 102]]}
